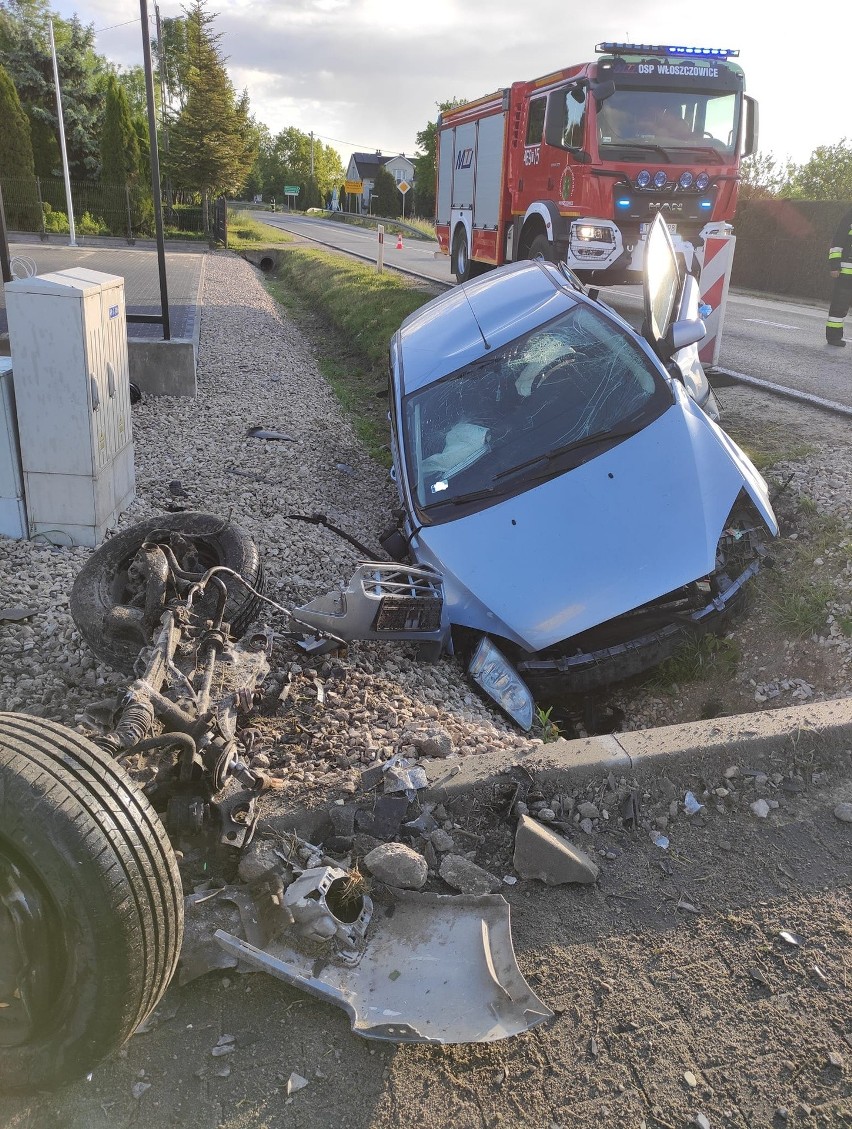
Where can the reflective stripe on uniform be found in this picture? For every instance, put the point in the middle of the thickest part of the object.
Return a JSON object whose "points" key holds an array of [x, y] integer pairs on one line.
{"points": [[833, 324]]}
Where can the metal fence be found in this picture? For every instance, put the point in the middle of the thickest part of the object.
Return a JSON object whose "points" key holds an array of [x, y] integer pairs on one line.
{"points": [[38, 204]]}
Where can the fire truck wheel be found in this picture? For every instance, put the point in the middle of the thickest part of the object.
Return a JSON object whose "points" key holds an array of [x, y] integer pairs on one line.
{"points": [[105, 599], [91, 905], [461, 262], [542, 248]]}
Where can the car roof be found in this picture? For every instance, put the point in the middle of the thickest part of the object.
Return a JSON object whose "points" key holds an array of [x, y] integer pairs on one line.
{"points": [[452, 331]]}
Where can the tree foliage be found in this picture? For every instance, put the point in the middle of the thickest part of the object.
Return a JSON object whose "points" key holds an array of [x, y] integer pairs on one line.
{"points": [[826, 175], [25, 53], [16, 150], [761, 177], [119, 142], [16, 158], [387, 199], [286, 159], [213, 143]]}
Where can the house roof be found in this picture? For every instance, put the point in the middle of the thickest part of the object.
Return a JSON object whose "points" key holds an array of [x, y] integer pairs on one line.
{"points": [[368, 164]]}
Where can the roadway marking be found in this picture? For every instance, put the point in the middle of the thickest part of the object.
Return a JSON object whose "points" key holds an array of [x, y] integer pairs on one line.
{"points": [[776, 324]]}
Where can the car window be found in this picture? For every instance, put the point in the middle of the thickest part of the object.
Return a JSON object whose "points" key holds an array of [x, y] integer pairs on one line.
{"points": [[577, 377]]}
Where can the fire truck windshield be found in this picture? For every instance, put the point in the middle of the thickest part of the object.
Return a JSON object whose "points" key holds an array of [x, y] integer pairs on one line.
{"points": [[632, 119]]}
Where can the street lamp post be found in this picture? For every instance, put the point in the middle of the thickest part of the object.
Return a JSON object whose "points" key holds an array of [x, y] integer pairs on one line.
{"points": [[5, 261]]}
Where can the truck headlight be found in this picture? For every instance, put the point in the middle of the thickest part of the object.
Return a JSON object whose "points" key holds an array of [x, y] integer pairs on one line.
{"points": [[500, 681], [588, 231]]}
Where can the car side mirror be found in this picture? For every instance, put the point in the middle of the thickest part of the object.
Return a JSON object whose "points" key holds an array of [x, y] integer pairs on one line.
{"points": [[680, 334]]}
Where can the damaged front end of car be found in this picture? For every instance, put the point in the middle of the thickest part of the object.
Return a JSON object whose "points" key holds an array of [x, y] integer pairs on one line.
{"points": [[641, 639]]}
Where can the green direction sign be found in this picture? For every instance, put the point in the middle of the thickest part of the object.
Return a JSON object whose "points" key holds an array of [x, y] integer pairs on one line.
{"points": [[291, 190]]}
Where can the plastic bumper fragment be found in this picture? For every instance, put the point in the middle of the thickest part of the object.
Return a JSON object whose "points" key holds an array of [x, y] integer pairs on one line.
{"points": [[436, 969]]}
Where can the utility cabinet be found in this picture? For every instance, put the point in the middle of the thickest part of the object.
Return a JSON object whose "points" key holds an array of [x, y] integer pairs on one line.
{"points": [[68, 338], [13, 516]]}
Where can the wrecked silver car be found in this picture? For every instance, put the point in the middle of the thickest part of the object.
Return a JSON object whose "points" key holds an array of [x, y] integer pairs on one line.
{"points": [[559, 471]]}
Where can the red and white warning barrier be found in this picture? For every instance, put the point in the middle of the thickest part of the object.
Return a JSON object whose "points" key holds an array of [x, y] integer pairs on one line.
{"points": [[717, 259]]}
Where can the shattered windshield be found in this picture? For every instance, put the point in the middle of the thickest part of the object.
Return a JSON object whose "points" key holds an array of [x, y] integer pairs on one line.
{"points": [[535, 408], [642, 121]]}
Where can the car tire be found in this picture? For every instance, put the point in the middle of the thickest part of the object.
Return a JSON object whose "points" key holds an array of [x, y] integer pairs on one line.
{"points": [[542, 248], [91, 905], [462, 265], [100, 586]]}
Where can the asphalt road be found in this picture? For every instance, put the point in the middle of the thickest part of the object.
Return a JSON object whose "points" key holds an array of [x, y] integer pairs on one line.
{"points": [[776, 340], [138, 266]]}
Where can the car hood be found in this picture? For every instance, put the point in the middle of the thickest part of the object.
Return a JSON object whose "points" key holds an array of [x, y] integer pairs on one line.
{"points": [[630, 525]]}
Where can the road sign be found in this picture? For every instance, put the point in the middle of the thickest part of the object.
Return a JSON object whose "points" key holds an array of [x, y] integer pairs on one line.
{"points": [[355, 187], [403, 186], [291, 190]]}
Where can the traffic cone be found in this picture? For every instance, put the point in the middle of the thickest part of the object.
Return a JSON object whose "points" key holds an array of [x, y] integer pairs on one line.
{"points": [[399, 241]]}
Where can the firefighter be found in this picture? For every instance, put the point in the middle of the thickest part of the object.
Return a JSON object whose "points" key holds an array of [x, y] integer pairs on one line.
{"points": [[840, 265]]}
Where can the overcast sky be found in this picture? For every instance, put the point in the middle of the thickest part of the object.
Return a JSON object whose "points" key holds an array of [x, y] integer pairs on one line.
{"points": [[367, 74]]}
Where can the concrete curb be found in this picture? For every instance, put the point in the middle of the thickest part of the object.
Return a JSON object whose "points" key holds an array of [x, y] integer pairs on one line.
{"points": [[818, 734], [755, 740]]}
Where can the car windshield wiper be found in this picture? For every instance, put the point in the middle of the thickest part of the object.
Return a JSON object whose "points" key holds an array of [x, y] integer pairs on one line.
{"points": [[574, 445]]}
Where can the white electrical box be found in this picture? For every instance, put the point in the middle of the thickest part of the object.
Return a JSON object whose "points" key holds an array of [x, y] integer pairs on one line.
{"points": [[13, 514], [68, 339]]}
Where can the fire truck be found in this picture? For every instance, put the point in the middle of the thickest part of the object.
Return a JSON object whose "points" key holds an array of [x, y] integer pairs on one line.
{"points": [[574, 166]]}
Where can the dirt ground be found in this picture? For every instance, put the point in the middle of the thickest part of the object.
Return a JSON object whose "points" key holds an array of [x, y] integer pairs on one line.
{"points": [[674, 995]]}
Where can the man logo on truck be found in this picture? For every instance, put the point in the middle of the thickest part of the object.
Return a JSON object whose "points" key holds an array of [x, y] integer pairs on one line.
{"points": [[465, 159]]}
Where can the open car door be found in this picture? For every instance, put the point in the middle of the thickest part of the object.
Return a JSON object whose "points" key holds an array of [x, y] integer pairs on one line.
{"points": [[661, 285], [672, 326]]}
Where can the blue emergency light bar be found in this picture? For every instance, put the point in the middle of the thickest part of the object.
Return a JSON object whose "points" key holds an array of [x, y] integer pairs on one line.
{"points": [[654, 49]]}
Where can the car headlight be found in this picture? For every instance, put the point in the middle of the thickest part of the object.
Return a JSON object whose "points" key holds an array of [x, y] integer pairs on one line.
{"points": [[685, 179], [701, 181], [660, 179], [643, 179], [500, 681]]}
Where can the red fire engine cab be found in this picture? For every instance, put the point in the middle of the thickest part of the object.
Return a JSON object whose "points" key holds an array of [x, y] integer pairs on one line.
{"points": [[575, 165]]}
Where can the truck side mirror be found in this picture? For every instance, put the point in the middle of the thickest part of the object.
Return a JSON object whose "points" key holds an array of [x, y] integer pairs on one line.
{"points": [[601, 91], [554, 119], [750, 140]]}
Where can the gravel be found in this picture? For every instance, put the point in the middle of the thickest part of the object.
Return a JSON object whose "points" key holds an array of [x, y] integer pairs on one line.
{"points": [[256, 369]]}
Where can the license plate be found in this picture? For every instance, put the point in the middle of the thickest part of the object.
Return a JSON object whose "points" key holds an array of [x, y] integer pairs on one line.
{"points": [[643, 229]]}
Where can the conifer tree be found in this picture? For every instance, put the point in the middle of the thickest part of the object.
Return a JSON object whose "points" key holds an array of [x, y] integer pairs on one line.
{"points": [[16, 150], [119, 143], [213, 144], [16, 158]]}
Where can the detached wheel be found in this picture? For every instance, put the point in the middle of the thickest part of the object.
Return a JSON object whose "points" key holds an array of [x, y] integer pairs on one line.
{"points": [[91, 906], [107, 599]]}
